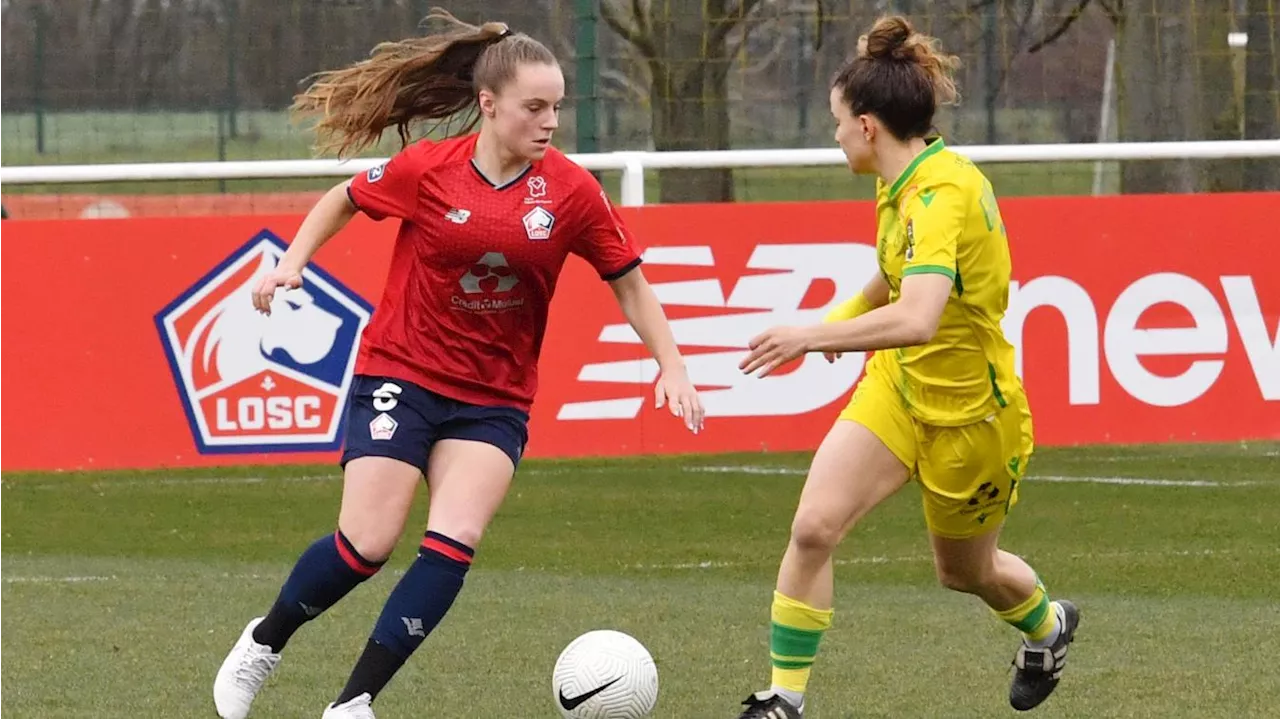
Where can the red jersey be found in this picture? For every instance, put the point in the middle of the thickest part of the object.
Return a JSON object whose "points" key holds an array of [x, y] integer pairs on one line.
{"points": [[475, 265]]}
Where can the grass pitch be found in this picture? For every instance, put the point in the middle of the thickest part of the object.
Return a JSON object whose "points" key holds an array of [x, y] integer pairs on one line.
{"points": [[122, 592]]}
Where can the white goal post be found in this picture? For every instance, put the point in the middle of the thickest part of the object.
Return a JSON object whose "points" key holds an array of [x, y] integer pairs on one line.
{"points": [[633, 165]]}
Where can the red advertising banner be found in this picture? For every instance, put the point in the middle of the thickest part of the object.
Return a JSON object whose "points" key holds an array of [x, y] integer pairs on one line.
{"points": [[132, 343]]}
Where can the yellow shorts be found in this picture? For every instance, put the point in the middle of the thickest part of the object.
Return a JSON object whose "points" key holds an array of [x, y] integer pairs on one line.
{"points": [[969, 474]]}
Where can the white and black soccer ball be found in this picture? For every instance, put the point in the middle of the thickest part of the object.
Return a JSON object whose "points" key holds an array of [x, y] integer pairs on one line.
{"points": [[605, 675]]}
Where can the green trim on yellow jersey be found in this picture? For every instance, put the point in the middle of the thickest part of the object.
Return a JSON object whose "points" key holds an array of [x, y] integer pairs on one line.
{"points": [[995, 386], [934, 147], [930, 270]]}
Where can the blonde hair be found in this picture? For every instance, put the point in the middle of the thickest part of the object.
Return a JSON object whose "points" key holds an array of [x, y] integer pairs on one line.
{"points": [[406, 81]]}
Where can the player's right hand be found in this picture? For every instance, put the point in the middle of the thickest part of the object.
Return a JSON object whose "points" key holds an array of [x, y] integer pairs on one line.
{"points": [[266, 289], [831, 357]]}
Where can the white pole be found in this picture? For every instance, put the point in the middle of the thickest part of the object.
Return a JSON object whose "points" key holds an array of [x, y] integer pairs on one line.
{"points": [[632, 178], [1108, 103]]}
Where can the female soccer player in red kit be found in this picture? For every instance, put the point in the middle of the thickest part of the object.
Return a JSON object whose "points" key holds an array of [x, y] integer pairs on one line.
{"points": [[448, 366]]}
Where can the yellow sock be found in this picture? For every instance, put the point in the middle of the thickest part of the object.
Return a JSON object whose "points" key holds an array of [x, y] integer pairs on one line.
{"points": [[797, 628], [1035, 618]]}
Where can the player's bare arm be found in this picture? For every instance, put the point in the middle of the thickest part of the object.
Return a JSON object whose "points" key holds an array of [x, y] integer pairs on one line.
{"points": [[643, 310], [874, 294], [331, 213], [912, 320]]}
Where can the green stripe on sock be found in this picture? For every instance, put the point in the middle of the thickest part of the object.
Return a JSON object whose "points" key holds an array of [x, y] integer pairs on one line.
{"points": [[783, 664], [1036, 617], [791, 642]]}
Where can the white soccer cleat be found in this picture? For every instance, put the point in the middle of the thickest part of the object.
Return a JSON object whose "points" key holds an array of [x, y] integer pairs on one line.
{"points": [[358, 708], [242, 674]]}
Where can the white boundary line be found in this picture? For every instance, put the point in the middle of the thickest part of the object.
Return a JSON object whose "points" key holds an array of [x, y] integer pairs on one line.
{"points": [[925, 558], [675, 566], [556, 471], [1140, 481], [37, 579]]}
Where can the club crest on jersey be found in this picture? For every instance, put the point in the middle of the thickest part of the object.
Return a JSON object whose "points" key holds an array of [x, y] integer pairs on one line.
{"points": [[375, 173], [538, 223], [256, 383]]}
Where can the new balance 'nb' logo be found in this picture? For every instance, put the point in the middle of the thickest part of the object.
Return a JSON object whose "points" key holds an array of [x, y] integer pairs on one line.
{"points": [[457, 216], [413, 626]]}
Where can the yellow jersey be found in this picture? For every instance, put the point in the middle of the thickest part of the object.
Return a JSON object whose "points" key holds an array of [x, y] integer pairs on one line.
{"points": [[940, 216]]}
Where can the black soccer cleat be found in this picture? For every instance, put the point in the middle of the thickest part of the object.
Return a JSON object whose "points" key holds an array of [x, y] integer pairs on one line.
{"points": [[767, 705], [1040, 669]]}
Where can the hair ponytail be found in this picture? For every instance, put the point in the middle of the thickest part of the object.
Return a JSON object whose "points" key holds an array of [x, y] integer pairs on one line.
{"points": [[417, 79]]}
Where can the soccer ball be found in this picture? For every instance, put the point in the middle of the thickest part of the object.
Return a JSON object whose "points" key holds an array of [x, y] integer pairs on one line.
{"points": [[605, 675]]}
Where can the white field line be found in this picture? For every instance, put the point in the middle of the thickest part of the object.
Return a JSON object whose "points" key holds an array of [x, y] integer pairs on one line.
{"points": [[558, 471], [925, 558], [178, 481], [190, 481], [676, 566], [1141, 481], [38, 579]]}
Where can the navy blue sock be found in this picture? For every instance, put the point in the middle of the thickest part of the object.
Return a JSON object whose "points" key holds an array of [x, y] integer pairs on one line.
{"points": [[413, 610], [325, 572]]}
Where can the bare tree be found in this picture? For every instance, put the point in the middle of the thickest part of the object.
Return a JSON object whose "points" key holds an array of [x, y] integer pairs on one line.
{"points": [[1261, 91], [687, 49], [1175, 82]]}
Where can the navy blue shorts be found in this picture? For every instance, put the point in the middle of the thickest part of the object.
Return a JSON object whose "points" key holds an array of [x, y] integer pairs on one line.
{"points": [[393, 418]]}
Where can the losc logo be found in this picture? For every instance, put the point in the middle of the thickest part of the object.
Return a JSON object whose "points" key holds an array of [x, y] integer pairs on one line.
{"points": [[256, 383]]}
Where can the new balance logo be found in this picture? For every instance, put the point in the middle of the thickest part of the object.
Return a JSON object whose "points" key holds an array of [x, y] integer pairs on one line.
{"points": [[728, 315], [458, 217], [413, 626]]}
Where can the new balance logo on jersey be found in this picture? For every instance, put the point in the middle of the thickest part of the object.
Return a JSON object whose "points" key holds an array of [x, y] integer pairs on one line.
{"points": [[413, 626], [458, 217], [538, 223], [251, 382]]}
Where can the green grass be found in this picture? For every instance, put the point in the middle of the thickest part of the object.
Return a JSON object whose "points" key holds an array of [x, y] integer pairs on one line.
{"points": [[123, 591]]}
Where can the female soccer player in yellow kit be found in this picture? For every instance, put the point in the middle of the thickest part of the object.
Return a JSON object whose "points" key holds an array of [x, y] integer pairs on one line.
{"points": [[940, 401]]}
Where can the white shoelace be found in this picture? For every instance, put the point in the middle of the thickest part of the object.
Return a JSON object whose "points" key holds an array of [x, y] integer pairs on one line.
{"points": [[254, 668]]}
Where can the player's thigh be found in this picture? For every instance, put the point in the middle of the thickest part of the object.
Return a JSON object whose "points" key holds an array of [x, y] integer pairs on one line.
{"points": [[865, 457], [390, 429], [965, 564], [969, 475], [377, 494], [468, 480]]}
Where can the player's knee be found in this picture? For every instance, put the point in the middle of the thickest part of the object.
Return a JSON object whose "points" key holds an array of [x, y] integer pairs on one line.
{"points": [[469, 536], [372, 542], [815, 533]]}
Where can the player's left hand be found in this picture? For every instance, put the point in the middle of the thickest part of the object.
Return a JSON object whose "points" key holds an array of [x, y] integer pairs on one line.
{"points": [[675, 390], [773, 348]]}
